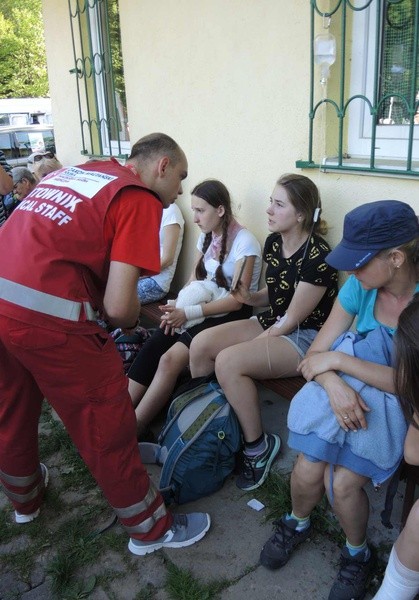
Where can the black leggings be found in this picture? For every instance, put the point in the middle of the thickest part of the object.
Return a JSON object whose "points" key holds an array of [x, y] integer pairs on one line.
{"points": [[147, 360]]}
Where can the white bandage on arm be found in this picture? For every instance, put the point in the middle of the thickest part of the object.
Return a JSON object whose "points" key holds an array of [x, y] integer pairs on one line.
{"points": [[193, 312], [280, 321]]}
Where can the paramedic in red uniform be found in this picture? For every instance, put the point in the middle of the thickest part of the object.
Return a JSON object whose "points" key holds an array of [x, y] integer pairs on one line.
{"points": [[77, 245]]}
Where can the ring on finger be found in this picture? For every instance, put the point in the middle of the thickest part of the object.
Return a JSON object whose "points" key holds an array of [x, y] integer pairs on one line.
{"points": [[346, 418]]}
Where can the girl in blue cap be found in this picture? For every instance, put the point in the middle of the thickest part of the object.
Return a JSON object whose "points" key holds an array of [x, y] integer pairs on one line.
{"points": [[346, 421], [401, 578]]}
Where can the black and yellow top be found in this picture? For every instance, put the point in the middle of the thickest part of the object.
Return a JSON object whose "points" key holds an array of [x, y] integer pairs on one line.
{"points": [[283, 274]]}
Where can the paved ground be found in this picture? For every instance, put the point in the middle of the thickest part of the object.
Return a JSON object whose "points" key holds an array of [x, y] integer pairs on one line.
{"points": [[229, 552]]}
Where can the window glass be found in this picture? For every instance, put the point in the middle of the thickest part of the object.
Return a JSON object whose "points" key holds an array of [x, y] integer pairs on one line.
{"points": [[364, 111], [5, 145], [397, 79], [100, 76], [29, 142]]}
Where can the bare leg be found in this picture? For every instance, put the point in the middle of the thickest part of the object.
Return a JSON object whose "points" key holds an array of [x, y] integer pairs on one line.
{"points": [[207, 344], [307, 485], [350, 503], [158, 393], [407, 545], [136, 391], [238, 365], [401, 579]]}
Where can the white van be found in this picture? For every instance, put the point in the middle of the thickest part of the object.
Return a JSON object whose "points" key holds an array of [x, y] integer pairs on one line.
{"points": [[19, 112], [19, 143]]}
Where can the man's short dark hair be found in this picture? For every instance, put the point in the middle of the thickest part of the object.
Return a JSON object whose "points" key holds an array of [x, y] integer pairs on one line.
{"points": [[156, 144]]}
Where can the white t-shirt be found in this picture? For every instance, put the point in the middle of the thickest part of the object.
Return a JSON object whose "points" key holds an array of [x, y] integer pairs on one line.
{"points": [[244, 244], [171, 215]]}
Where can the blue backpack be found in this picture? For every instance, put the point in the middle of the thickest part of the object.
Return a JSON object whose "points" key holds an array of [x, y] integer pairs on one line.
{"points": [[198, 445]]}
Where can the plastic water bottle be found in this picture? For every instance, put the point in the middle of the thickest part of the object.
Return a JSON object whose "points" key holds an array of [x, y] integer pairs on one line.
{"points": [[324, 54]]}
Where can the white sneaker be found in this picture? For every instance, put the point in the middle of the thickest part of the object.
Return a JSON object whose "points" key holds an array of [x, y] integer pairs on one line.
{"points": [[185, 531], [20, 517]]}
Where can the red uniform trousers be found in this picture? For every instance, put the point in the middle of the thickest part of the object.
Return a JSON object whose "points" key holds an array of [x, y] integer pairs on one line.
{"points": [[81, 376]]}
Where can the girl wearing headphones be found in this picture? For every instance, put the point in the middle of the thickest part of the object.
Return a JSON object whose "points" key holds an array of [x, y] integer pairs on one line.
{"points": [[300, 290]]}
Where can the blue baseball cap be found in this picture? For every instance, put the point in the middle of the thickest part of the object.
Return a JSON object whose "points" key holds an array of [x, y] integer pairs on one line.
{"points": [[370, 228]]}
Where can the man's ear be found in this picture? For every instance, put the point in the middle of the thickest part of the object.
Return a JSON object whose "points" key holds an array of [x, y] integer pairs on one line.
{"points": [[162, 165]]}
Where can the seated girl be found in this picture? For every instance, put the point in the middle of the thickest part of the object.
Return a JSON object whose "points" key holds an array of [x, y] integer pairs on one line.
{"points": [[222, 244], [300, 290], [151, 289], [346, 422], [401, 579]]}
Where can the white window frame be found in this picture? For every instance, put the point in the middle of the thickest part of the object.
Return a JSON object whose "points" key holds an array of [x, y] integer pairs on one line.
{"points": [[109, 147], [391, 140]]}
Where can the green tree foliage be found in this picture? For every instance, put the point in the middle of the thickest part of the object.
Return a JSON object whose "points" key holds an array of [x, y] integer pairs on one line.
{"points": [[116, 49], [23, 64]]}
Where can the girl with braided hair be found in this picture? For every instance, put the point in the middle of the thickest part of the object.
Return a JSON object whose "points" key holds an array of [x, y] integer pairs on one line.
{"points": [[299, 292], [222, 244]]}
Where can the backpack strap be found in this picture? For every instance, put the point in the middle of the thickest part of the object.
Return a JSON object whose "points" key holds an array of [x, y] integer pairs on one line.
{"points": [[208, 414]]}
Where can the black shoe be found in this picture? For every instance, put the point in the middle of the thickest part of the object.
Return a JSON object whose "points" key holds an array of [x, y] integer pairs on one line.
{"points": [[255, 469], [278, 549], [352, 579], [146, 435]]}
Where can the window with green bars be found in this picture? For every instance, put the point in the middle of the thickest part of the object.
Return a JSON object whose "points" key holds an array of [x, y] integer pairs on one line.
{"points": [[364, 87], [99, 74]]}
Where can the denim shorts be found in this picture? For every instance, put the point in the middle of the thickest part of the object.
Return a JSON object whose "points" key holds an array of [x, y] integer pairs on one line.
{"points": [[149, 291], [301, 339]]}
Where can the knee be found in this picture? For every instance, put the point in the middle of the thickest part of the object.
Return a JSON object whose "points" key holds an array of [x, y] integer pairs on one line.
{"points": [[198, 349], [344, 485], [307, 474], [224, 365], [169, 363]]}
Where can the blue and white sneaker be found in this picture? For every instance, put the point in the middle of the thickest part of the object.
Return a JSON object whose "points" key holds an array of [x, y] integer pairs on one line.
{"points": [[185, 531], [255, 469], [20, 517]]}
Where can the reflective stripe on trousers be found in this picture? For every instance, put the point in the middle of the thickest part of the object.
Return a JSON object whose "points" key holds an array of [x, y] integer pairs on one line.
{"points": [[23, 489], [136, 511], [90, 395]]}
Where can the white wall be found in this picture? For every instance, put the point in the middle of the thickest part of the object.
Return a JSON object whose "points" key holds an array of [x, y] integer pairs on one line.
{"points": [[229, 80]]}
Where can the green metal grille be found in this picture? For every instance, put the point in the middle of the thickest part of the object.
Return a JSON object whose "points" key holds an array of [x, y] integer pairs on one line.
{"points": [[394, 98], [99, 74]]}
